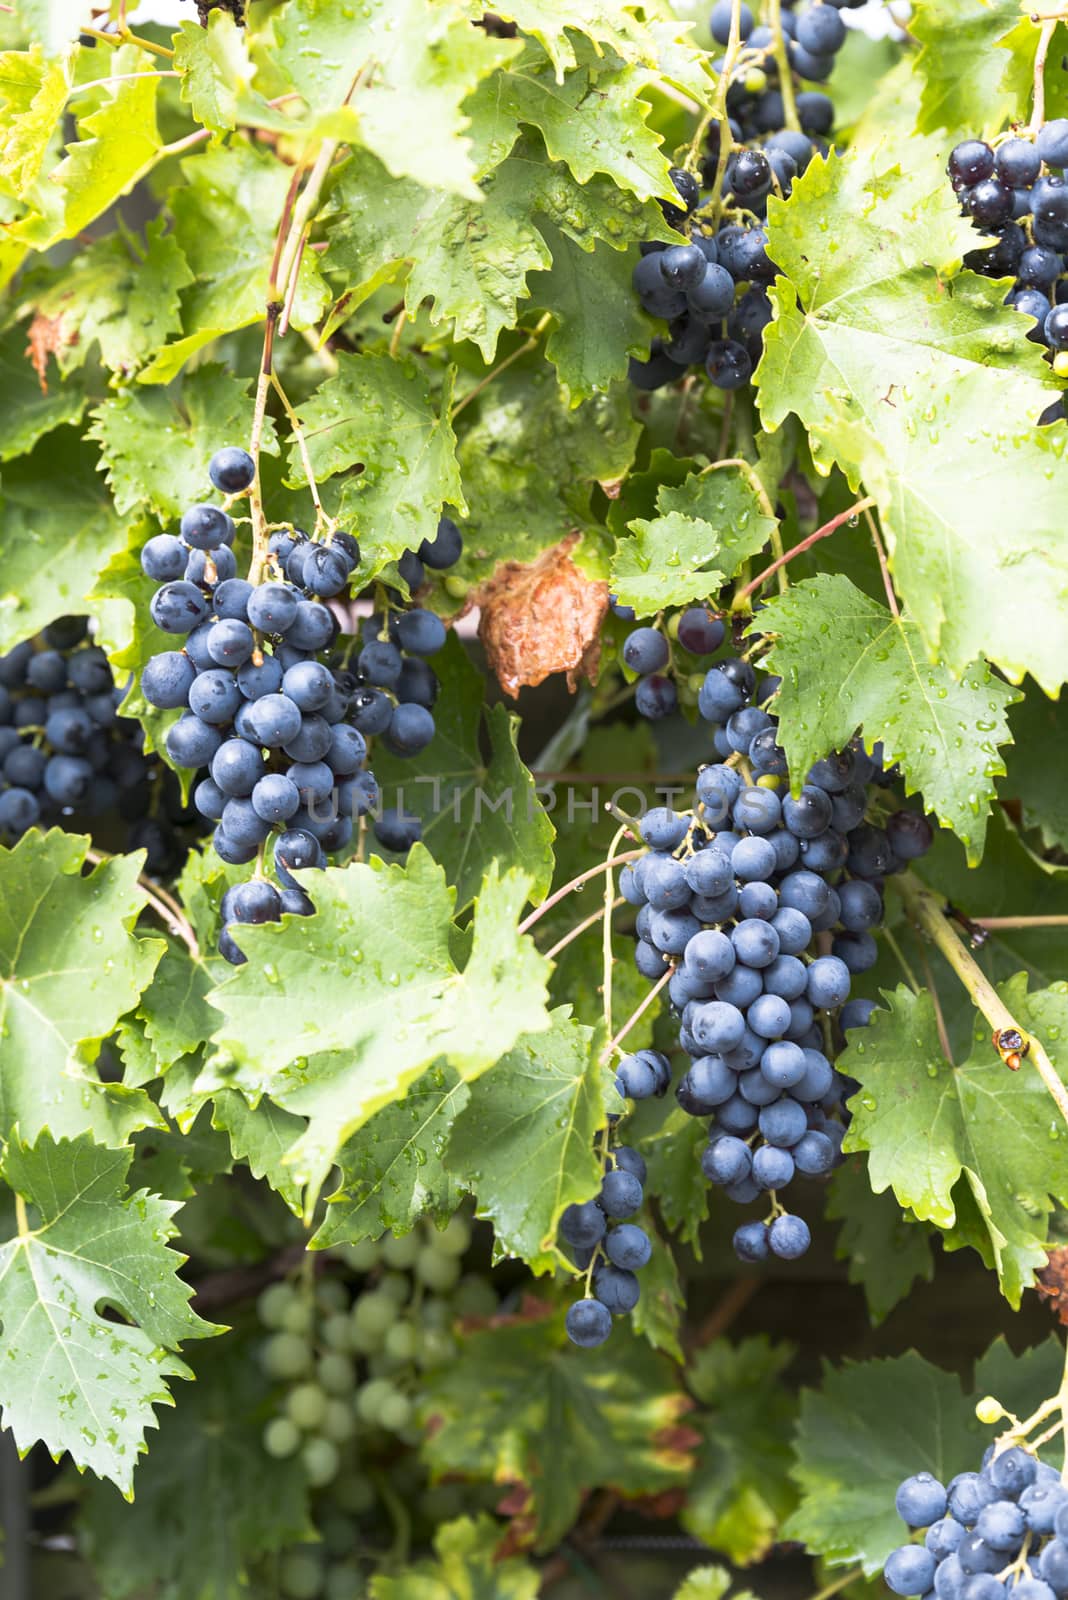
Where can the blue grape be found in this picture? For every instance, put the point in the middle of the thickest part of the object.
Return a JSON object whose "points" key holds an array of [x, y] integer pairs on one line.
{"points": [[308, 684], [751, 1242], [167, 680], [628, 1246], [209, 799], [446, 547], [241, 823], [312, 739], [231, 469], [663, 829], [768, 1016], [237, 767], [272, 607], [919, 1501], [232, 594], [909, 1570], [275, 720], [616, 1288], [178, 607], [67, 779], [163, 558], [205, 527], [192, 743], [215, 697], [789, 1237], [783, 1123], [588, 1323], [727, 1160], [755, 941], [621, 1194], [583, 1225], [397, 830], [275, 797], [421, 633], [411, 728], [828, 982], [313, 627]]}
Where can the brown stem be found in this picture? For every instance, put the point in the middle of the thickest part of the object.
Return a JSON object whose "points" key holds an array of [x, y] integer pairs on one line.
{"points": [[1020, 922], [576, 883], [163, 904], [576, 932], [636, 1015], [940, 1021], [529, 344], [799, 549], [884, 565], [724, 1313]]}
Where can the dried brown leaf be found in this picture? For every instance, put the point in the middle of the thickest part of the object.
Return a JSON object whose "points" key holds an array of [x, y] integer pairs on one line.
{"points": [[541, 617], [1053, 1283], [46, 336]]}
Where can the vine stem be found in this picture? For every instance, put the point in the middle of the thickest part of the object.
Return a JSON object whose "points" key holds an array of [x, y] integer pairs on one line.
{"points": [[754, 481], [929, 912], [302, 445], [575, 883], [124, 36], [606, 934], [799, 549], [838, 1584], [580, 928], [163, 903], [782, 56], [884, 565], [636, 1015], [529, 344], [910, 976], [940, 1021], [1038, 103], [1019, 922]]}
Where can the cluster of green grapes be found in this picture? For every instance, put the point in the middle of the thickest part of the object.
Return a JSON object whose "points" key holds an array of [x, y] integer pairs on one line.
{"points": [[348, 1350]]}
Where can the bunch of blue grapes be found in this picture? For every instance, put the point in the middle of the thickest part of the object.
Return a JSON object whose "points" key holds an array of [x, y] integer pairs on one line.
{"points": [[1017, 193], [713, 290], [647, 652], [67, 757], [732, 899], [604, 1242], [279, 723], [990, 1535]]}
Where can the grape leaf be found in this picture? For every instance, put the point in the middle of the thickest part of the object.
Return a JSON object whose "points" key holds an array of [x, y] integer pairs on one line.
{"points": [[474, 812], [408, 110], [603, 22], [529, 463], [377, 413], [846, 663], [467, 1568], [208, 406], [929, 397], [30, 411], [215, 67], [886, 1251], [263, 1137], [706, 528], [393, 1171], [174, 1008], [69, 968], [926, 1124], [874, 1423], [598, 320], [705, 1583], [51, 548], [966, 87], [118, 296], [210, 1501], [130, 637], [119, 142], [33, 92], [673, 1156], [741, 1491], [1038, 726], [658, 1314], [226, 218], [72, 1378], [519, 1404], [524, 1142], [337, 1015]]}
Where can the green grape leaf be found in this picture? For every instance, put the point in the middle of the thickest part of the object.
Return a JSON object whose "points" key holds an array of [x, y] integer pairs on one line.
{"points": [[673, 1156], [847, 663], [263, 1136], [337, 1015], [33, 92], [215, 68], [226, 218], [873, 1423], [705, 529], [474, 812], [886, 1251], [70, 967], [72, 1378], [742, 1492], [393, 1171], [174, 1008], [598, 320], [128, 634], [930, 397], [602, 22], [209, 405], [211, 1503], [407, 66], [117, 296], [377, 413], [658, 1314], [927, 1123], [520, 1404], [966, 86], [1038, 726], [118, 143], [705, 1583], [51, 547], [32, 408], [529, 464], [466, 1567], [524, 1142]]}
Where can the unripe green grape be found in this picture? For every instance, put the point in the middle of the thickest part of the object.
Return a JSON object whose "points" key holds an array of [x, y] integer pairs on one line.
{"points": [[300, 1574], [369, 1398], [374, 1313], [306, 1406], [439, 1272], [339, 1534], [286, 1355], [281, 1438], [756, 80], [336, 1331], [321, 1459], [457, 588], [361, 1256], [395, 1412], [337, 1374], [474, 1297], [273, 1303], [344, 1583], [455, 1238], [365, 1341], [400, 1249], [402, 1342], [339, 1423], [299, 1316], [438, 1349], [354, 1493], [397, 1286], [331, 1294], [435, 1314]]}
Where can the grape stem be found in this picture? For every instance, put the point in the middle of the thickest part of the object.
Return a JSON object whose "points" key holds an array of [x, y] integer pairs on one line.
{"points": [[786, 81], [529, 344], [929, 912], [910, 976], [940, 1021], [621, 833], [718, 110], [124, 36], [575, 883], [884, 565], [1038, 104], [163, 904], [580, 928], [636, 1016], [799, 549], [321, 518], [994, 923]]}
